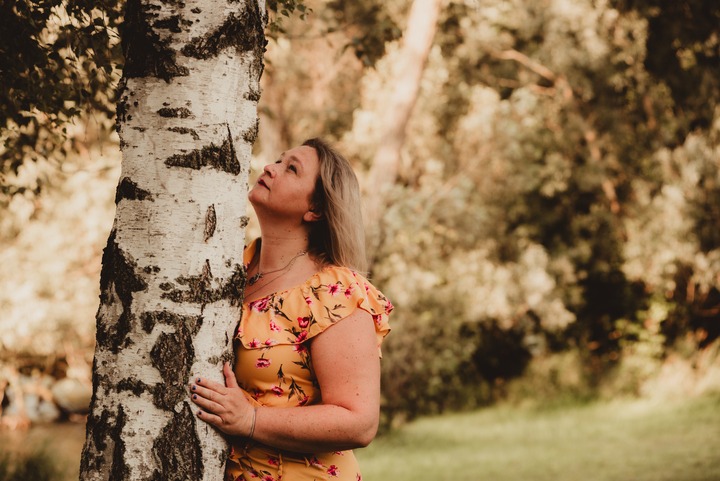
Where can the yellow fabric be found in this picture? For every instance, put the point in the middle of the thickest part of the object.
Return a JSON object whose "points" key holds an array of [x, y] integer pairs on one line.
{"points": [[273, 364]]}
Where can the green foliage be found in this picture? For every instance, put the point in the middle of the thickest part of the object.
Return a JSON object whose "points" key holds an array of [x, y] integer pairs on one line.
{"points": [[678, 223], [284, 8], [553, 232], [555, 379], [683, 51], [557, 207], [57, 60], [61, 60], [369, 24]]}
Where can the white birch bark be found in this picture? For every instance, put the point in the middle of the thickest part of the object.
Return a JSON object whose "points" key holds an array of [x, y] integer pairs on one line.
{"points": [[172, 276]]}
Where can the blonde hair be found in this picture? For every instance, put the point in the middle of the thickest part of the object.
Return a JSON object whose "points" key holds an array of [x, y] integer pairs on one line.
{"points": [[338, 237]]}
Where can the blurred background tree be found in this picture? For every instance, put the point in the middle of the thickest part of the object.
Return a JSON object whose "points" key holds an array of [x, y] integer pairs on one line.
{"points": [[59, 61], [552, 230]]}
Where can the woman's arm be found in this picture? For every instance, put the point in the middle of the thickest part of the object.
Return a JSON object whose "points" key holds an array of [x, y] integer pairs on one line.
{"points": [[346, 363]]}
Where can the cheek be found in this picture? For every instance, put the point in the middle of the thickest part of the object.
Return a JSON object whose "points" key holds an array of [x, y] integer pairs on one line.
{"points": [[311, 193]]}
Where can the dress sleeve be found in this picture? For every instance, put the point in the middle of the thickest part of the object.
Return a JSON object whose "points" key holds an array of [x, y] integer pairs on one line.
{"points": [[337, 293]]}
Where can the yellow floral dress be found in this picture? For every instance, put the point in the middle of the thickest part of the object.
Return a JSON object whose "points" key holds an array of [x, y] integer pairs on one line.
{"points": [[273, 364]]}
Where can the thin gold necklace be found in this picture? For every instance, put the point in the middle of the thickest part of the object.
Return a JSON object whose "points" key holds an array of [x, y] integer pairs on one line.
{"points": [[261, 274], [250, 293]]}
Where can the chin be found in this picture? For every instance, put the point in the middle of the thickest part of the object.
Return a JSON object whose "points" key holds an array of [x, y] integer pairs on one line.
{"points": [[251, 196]]}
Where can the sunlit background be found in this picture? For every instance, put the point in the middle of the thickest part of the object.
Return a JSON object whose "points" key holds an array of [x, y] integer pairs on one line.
{"points": [[543, 188]]}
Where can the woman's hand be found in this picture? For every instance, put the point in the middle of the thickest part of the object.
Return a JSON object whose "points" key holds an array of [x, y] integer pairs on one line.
{"points": [[227, 407]]}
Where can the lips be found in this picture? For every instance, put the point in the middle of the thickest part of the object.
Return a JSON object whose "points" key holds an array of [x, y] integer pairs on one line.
{"points": [[262, 182]]}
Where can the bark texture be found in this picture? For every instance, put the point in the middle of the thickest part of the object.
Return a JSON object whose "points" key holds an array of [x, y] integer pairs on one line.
{"points": [[172, 276]]}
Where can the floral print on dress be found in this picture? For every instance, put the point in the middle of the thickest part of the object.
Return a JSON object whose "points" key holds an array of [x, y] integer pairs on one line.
{"points": [[274, 364], [260, 305]]}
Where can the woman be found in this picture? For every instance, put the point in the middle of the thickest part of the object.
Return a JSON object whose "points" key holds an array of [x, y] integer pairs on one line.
{"points": [[305, 388]]}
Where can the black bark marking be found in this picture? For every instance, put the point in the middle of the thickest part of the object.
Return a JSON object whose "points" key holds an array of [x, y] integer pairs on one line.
{"points": [[97, 432], [210, 222], [118, 272], [171, 23], [244, 220], [127, 189], [146, 54], [253, 95], [120, 470], [149, 319], [151, 269], [133, 385], [177, 449], [201, 292], [122, 108], [234, 287], [244, 32], [172, 355], [221, 158], [227, 356], [107, 271], [251, 134], [96, 385], [184, 130], [179, 113]]}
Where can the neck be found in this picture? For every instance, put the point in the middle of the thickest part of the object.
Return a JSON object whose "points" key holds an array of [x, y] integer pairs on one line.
{"points": [[282, 238], [278, 248]]}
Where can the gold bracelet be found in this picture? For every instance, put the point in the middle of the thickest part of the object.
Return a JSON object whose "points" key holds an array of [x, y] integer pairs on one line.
{"points": [[252, 426]]}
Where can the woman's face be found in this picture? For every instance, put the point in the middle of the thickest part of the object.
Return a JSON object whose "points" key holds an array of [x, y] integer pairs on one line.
{"points": [[286, 186]]}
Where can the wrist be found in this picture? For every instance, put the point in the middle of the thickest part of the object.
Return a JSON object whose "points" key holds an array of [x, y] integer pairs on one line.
{"points": [[253, 422]]}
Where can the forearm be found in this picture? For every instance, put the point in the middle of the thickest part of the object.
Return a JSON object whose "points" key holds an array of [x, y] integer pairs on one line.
{"points": [[347, 418], [318, 428]]}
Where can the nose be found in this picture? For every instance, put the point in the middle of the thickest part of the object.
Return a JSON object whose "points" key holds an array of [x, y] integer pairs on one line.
{"points": [[268, 169]]}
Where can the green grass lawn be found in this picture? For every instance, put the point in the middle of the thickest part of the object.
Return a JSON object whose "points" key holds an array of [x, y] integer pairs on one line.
{"points": [[627, 440], [605, 441]]}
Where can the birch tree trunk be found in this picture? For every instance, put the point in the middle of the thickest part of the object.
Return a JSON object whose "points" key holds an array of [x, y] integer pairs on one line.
{"points": [[172, 276], [417, 41]]}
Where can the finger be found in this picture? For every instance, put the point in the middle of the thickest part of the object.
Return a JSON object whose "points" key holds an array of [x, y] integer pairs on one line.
{"points": [[207, 404], [211, 394], [230, 380], [210, 418], [207, 383]]}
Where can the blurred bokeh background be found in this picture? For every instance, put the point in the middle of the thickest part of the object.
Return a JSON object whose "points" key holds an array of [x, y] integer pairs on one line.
{"points": [[543, 188]]}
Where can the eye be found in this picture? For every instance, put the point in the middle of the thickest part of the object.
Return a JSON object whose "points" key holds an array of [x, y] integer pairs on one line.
{"points": [[293, 168], [278, 161]]}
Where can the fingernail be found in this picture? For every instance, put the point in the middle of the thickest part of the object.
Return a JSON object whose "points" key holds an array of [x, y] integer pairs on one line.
{"points": [[194, 396], [194, 387], [198, 379], [199, 413]]}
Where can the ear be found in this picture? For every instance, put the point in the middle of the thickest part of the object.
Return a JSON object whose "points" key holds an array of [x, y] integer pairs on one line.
{"points": [[311, 216]]}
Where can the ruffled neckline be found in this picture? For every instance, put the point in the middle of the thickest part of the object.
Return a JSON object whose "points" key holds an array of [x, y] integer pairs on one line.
{"points": [[250, 253]]}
